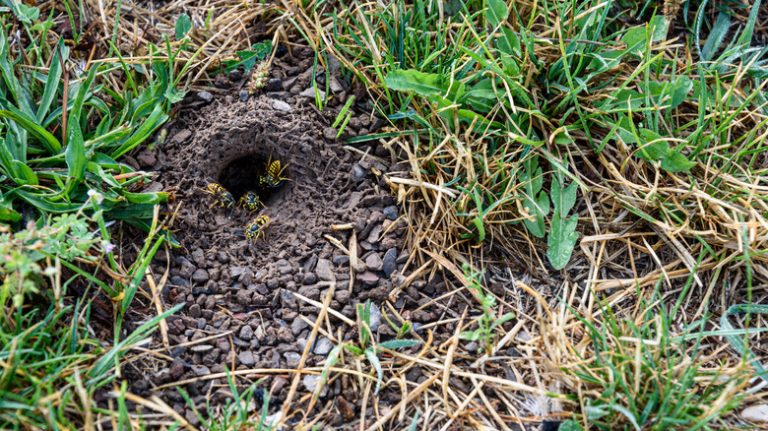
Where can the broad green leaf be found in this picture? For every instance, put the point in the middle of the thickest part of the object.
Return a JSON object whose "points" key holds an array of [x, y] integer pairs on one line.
{"points": [[74, 154], [52, 80], [25, 174], [509, 42], [570, 425], [30, 125], [413, 81], [183, 25], [745, 38], [248, 58], [481, 96], [46, 204], [27, 14], [562, 235], [674, 161], [146, 198], [680, 89], [497, 12], [636, 37], [7, 213], [536, 201]]}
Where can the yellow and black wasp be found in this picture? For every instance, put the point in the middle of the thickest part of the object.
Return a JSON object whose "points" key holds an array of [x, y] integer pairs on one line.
{"points": [[274, 175], [221, 197], [257, 228], [250, 202]]}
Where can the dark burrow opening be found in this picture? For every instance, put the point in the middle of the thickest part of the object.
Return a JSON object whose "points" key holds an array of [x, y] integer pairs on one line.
{"points": [[242, 176]]}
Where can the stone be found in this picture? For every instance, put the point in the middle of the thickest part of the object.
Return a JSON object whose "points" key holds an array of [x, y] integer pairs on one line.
{"points": [[246, 333], [342, 295], [311, 381], [274, 84], [324, 270], [200, 276], [310, 278], [373, 237], [292, 359], [287, 299], [186, 268], [201, 348], [146, 158], [310, 263], [323, 346], [246, 358], [177, 369], [192, 417], [181, 136], [375, 320], [243, 95], [243, 296], [205, 96], [194, 311], [279, 105], [179, 281], [389, 265], [368, 278], [756, 413], [373, 262], [236, 271], [200, 370], [340, 260], [198, 256], [390, 212], [330, 133], [335, 86], [298, 325], [358, 173], [310, 93]]}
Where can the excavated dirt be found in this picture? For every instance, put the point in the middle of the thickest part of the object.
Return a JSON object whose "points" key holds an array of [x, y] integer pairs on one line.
{"points": [[240, 310]]}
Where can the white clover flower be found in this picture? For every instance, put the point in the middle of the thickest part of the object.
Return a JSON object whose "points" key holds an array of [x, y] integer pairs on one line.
{"points": [[96, 196]]}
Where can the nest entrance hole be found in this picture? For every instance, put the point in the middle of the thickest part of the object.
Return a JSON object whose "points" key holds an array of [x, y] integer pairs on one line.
{"points": [[241, 176]]}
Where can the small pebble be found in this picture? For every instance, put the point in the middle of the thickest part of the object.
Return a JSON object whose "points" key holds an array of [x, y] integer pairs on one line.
{"points": [[323, 346], [246, 332], [310, 278], [373, 262], [205, 96], [324, 270], [200, 276], [246, 358], [389, 265], [292, 359], [200, 370], [390, 212], [281, 106]]}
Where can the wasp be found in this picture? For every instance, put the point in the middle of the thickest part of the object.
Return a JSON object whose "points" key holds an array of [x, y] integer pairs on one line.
{"points": [[274, 176], [251, 202], [221, 196], [257, 228]]}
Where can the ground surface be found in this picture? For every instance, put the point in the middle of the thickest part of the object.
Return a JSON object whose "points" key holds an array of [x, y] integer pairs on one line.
{"points": [[240, 309]]}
